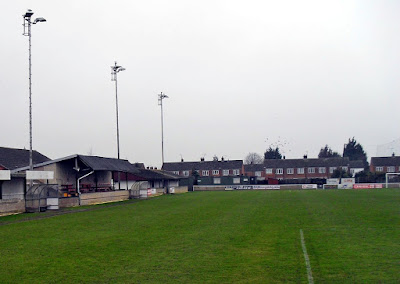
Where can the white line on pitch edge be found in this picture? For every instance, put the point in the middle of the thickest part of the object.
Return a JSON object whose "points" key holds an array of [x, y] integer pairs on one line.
{"points": [[307, 259]]}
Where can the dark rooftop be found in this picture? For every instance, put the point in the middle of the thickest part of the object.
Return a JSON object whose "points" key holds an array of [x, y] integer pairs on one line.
{"points": [[108, 164], [385, 161], [11, 158], [94, 163], [156, 175], [254, 167], [357, 164], [203, 165]]}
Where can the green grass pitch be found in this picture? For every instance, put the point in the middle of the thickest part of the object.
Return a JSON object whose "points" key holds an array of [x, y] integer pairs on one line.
{"points": [[351, 236]]}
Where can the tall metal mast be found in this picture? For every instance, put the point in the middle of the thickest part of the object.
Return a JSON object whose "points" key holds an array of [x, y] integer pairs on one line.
{"points": [[161, 97], [27, 32], [114, 71]]}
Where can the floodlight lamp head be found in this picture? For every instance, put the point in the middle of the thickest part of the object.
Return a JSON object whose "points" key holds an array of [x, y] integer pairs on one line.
{"points": [[28, 13], [120, 69], [40, 19]]}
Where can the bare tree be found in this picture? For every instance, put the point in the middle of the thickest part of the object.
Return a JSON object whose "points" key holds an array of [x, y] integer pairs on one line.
{"points": [[253, 158]]}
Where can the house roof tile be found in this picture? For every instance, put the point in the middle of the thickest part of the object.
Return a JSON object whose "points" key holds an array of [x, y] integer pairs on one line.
{"points": [[357, 164], [254, 167], [203, 165], [385, 161]]}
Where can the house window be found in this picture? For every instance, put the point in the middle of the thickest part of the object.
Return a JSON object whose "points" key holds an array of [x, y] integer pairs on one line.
{"points": [[311, 170], [379, 169], [236, 172], [176, 172], [300, 171], [332, 169], [257, 174], [290, 171], [322, 170], [279, 171], [390, 169], [205, 173], [236, 180], [268, 171], [217, 180], [225, 172], [186, 173], [215, 172]]}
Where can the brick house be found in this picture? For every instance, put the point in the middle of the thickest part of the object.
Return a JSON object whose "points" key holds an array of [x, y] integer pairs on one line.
{"points": [[206, 168], [385, 164], [356, 167], [291, 169]]}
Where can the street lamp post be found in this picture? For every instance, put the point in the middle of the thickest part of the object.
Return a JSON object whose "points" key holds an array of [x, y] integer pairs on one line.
{"points": [[114, 71], [27, 32], [161, 97]]}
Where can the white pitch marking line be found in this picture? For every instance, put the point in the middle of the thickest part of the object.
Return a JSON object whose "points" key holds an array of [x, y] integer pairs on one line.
{"points": [[307, 259]]}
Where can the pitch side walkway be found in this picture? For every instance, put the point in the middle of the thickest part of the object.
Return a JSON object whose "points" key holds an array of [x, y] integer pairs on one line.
{"points": [[64, 211]]}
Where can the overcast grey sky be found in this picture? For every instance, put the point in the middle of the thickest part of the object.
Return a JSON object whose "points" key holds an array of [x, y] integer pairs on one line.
{"points": [[240, 75]]}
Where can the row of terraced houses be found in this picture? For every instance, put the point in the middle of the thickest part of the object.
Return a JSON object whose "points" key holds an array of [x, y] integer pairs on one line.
{"points": [[281, 169]]}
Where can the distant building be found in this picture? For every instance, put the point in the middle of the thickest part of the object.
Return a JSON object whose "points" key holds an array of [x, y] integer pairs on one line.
{"points": [[356, 167], [385, 164], [292, 169], [221, 168]]}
